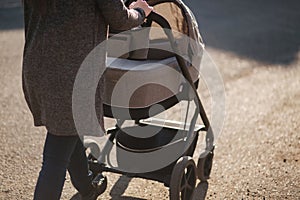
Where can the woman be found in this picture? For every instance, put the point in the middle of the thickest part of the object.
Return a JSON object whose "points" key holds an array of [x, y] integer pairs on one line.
{"points": [[59, 34]]}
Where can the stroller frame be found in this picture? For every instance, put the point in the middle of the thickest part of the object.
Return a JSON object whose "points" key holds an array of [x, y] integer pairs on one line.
{"points": [[178, 172]]}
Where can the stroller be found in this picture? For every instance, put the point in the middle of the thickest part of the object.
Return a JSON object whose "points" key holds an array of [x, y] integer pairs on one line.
{"points": [[170, 55]]}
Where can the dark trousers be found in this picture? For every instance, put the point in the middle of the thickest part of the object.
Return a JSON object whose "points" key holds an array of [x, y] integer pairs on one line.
{"points": [[62, 153]]}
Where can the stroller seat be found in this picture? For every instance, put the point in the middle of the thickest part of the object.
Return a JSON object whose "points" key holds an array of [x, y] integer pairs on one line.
{"points": [[154, 82]]}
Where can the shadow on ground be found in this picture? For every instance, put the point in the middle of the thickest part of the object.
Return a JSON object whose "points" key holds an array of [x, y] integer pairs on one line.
{"points": [[267, 31], [11, 15], [117, 190], [122, 183]]}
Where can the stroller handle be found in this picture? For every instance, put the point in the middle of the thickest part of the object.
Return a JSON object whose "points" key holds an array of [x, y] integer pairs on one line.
{"points": [[161, 21]]}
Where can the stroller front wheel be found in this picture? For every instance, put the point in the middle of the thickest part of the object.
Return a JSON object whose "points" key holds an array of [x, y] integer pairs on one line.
{"points": [[183, 179], [204, 166]]}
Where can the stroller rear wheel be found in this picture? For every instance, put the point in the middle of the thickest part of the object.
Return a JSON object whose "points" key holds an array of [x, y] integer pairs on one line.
{"points": [[99, 183], [183, 179], [204, 166]]}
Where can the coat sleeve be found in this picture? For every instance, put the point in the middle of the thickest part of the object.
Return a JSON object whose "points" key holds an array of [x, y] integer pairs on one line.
{"points": [[118, 16]]}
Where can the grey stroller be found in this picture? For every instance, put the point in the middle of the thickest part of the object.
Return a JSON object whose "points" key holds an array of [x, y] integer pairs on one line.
{"points": [[173, 51]]}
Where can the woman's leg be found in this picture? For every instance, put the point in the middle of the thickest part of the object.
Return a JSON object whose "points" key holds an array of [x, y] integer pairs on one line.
{"points": [[57, 154], [78, 170]]}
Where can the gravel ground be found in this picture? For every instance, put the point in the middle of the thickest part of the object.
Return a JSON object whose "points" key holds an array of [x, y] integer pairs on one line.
{"points": [[257, 154]]}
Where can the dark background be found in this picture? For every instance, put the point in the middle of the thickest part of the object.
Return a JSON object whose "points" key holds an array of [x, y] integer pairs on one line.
{"points": [[264, 30]]}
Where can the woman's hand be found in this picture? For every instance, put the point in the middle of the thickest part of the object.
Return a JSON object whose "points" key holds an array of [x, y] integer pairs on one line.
{"points": [[143, 5]]}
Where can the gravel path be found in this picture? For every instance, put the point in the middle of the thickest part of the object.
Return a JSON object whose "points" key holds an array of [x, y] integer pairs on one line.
{"points": [[257, 154]]}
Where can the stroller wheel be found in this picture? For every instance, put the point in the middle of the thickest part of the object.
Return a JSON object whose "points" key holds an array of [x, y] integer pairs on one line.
{"points": [[99, 183], [204, 166], [92, 149], [183, 179]]}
